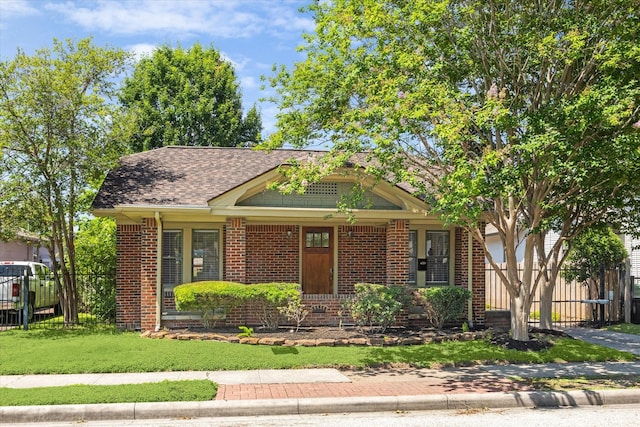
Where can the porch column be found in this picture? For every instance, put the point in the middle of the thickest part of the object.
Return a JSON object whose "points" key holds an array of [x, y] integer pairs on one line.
{"points": [[128, 276], [470, 267], [235, 254], [397, 252], [478, 278], [148, 273]]}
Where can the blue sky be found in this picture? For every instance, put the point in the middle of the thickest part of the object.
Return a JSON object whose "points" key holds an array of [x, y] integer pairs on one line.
{"points": [[251, 34]]}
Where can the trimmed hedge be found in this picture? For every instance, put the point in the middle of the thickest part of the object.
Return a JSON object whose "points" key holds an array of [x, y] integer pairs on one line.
{"points": [[217, 298]]}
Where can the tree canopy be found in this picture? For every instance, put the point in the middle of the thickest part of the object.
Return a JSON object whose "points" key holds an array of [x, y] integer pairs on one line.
{"points": [[59, 135], [524, 115], [188, 97], [595, 247]]}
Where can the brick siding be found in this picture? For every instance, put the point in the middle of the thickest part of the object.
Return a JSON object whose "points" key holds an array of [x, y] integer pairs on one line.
{"points": [[128, 276], [266, 253], [361, 256], [272, 255], [477, 273], [148, 267], [397, 259], [235, 249]]}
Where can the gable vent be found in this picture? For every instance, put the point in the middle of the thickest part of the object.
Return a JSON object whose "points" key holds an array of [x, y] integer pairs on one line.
{"points": [[322, 189]]}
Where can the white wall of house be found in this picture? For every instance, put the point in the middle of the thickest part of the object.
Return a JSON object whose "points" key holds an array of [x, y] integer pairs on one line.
{"points": [[633, 247], [497, 252], [494, 244]]}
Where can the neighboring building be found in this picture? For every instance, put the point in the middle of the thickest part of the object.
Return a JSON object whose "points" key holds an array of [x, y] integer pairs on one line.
{"points": [[201, 213], [25, 247], [497, 251]]}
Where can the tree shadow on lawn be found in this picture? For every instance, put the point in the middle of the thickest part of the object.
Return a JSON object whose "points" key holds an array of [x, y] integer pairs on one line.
{"points": [[64, 332], [552, 348]]}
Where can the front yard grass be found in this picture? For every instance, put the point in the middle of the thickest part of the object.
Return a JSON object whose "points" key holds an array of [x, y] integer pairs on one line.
{"points": [[627, 328], [108, 350], [104, 349], [166, 391]]}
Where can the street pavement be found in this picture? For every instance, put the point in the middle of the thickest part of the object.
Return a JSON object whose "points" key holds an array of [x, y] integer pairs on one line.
{"points": [[305, 391]]}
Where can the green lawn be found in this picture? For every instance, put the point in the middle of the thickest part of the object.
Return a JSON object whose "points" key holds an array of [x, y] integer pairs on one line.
{"points": [[627, 328], [166, 391], [108, 350], [41, 351]]}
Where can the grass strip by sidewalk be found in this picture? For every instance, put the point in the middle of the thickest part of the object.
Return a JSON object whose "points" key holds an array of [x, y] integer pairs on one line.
{"points": [[165, 391], [627, 328], [109, 350]]}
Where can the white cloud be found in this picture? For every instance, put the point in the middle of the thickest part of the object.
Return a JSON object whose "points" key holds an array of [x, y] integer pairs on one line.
{"points": [[10, 8], [141, 49], [218, 18], [248, 82]]}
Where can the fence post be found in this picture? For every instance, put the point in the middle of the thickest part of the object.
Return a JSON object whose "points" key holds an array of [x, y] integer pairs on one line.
{"points": [[25, 299], [601, 296], [628, 291]]}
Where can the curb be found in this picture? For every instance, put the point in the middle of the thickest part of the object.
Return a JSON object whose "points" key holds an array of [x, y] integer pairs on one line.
{"points": [[230, 408]]}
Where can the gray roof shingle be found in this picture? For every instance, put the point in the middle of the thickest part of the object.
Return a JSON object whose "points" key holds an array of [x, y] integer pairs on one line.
{"points": [[186, 176]]}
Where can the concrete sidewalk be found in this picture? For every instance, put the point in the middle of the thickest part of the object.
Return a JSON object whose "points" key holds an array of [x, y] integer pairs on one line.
{"points": [[303, 391], [616, 340]]}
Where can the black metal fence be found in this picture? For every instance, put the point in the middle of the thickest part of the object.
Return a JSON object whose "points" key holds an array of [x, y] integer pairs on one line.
{"points": [[95, 296], [574, 303]]}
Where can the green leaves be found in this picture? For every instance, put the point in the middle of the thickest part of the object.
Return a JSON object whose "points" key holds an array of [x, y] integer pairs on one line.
{"points": [[188, 97], [515, 113], [595, 247], [377, 305]]}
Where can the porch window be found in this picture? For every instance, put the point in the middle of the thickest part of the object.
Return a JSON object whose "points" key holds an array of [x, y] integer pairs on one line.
{"points": [[172, 258], [437, 248], [205, 257], [413, 257]]}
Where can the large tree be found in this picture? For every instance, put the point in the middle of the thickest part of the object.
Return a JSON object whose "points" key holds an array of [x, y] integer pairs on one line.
{"points": [[188, 97], [59, 135], [519, 114]]}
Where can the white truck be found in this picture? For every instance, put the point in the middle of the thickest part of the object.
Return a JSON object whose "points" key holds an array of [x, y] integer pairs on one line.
{"points": [[42, 288]]}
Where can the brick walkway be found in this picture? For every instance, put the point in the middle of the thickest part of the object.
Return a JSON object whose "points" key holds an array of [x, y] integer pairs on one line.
{"points": [[353, 389]]}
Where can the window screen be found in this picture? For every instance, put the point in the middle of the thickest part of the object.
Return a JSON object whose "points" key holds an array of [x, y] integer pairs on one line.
{"points": [[437, 257], [205, 259], [171, 258]]}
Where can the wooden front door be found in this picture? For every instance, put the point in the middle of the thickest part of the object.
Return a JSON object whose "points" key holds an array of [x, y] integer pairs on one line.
{"points": [[317, 260]]}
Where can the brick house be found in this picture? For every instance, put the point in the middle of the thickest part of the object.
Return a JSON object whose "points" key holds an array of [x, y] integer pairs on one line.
{"points": [[199, 213]]}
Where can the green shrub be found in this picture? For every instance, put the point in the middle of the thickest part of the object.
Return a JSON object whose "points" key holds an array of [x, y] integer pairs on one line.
{"points": [[217, 298], [210, 299], [555, 317], [443, 303], [269, 298], [377, 305]]}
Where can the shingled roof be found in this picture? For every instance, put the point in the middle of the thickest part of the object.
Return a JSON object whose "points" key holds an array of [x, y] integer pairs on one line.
{"points": [[186, 176]]}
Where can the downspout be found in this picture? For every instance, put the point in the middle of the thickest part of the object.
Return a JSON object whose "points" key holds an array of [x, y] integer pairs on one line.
{"points": [[470, 278], [158, 273]]}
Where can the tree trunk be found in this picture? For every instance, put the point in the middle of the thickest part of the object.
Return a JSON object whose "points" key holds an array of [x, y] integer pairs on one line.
{"points": [[520, 307], [546, 305]]}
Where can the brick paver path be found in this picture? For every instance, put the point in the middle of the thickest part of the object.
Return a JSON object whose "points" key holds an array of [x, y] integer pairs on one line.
{"points": [[353, 389]]}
